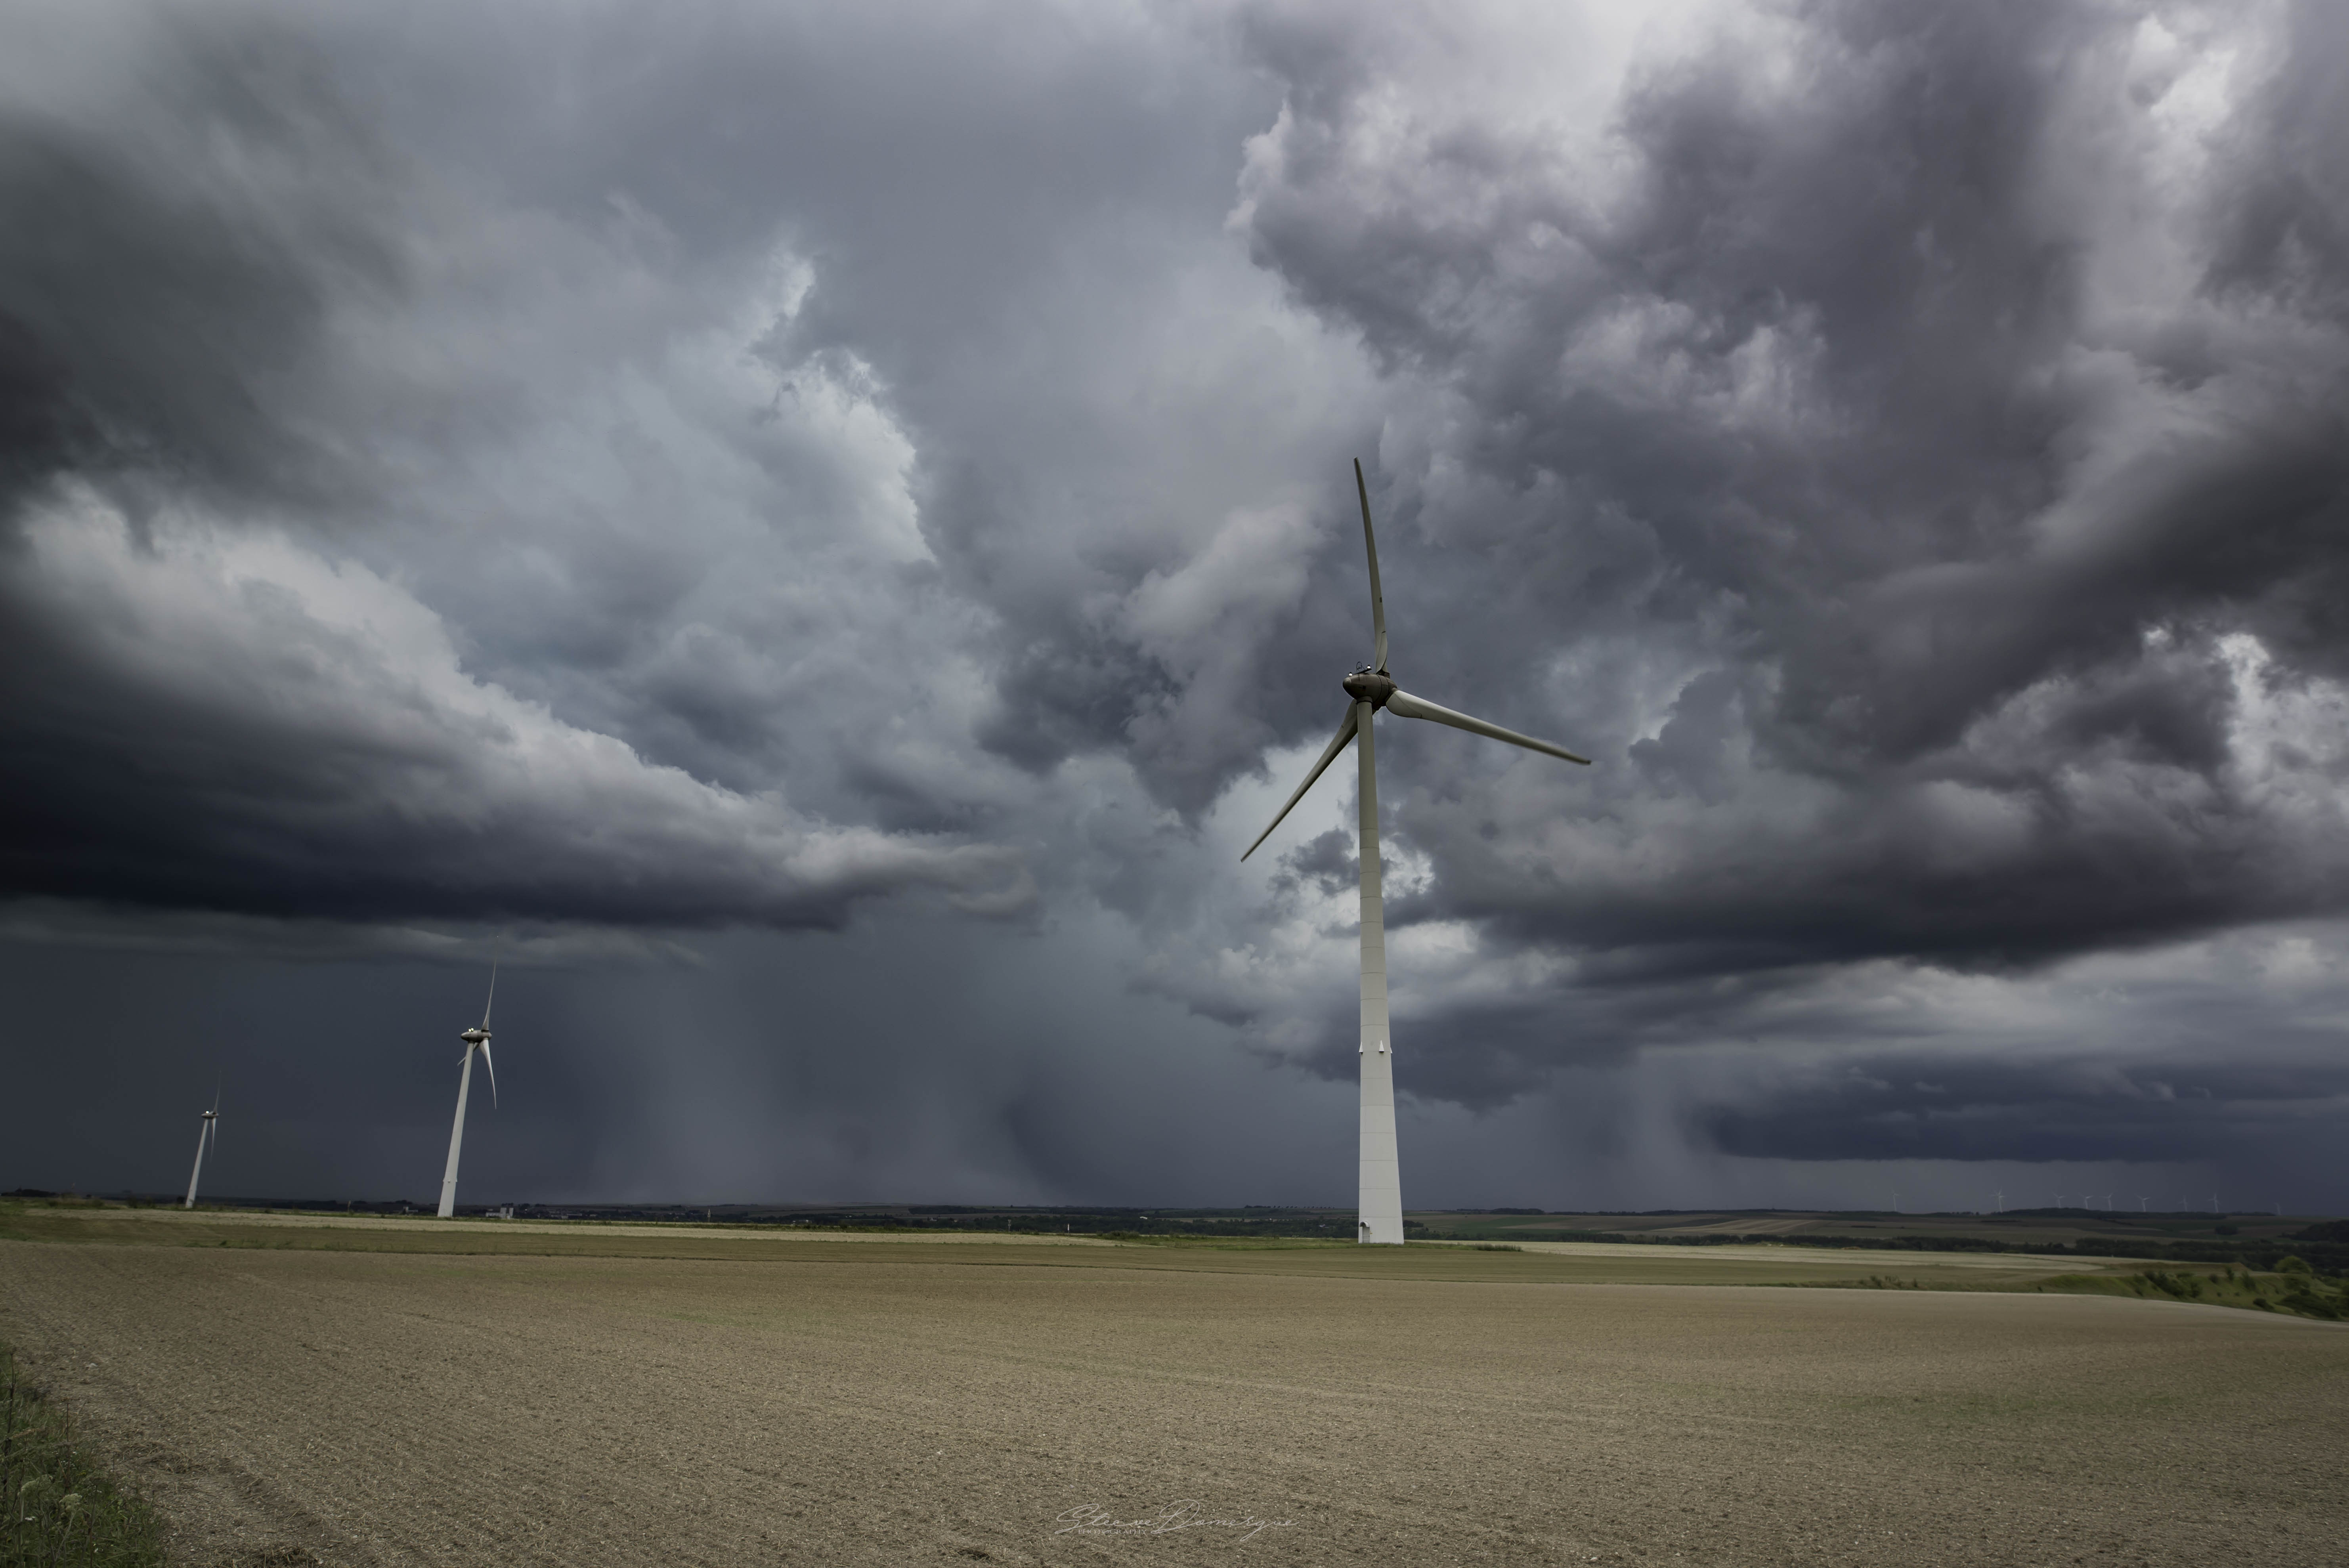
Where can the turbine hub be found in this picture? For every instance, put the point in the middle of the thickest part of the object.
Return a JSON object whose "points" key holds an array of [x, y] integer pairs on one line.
{"points": [[1370, 686], [476, 1036]]}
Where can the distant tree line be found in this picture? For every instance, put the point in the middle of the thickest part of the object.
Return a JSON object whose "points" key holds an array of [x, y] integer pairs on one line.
{"points": [[2323, 1255]]}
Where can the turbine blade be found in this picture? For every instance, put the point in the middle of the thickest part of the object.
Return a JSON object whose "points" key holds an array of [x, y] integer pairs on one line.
{"points": [[493, 1066], [1329, 755], [1411, 706], [1378, 599], [493, 993]]}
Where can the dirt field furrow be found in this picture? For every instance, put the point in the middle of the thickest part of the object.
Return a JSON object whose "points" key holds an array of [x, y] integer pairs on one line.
{"points": [[887, 1406]]}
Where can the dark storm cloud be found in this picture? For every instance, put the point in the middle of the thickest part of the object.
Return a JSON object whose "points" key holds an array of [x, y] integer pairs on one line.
{"points": [[1953, 491], [580, 476], [1954, 1108], [39, 427], [204, 714], [221, 741], [165, 270]]}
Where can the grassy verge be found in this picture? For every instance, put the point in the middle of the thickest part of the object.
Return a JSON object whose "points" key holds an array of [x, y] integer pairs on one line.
{"points": [[62, 1511], [2294, 1293], [2288, 1294]]}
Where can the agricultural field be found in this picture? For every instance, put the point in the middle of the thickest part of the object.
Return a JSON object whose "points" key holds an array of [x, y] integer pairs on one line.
{"points": [[288, 1389], [2015, 1228]]}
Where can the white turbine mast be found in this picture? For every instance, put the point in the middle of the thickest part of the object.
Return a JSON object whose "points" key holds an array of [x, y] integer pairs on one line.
{"points": [[1379, 1192], [207, 1129], [476, 1038]]}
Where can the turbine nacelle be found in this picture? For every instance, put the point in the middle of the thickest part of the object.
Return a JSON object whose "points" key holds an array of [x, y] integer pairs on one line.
{"points": [[1370, 686], [476, 1036]]}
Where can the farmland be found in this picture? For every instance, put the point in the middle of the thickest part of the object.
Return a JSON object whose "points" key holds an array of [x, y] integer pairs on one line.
{"points": [[375, 1392]]}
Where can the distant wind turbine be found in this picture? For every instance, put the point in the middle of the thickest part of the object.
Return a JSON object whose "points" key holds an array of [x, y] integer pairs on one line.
{"points": [[1379, 1189], [475, 1038], [209, 1128]]}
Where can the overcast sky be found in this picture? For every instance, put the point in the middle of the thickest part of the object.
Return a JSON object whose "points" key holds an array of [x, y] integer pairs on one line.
{"points": [[815, 535]]}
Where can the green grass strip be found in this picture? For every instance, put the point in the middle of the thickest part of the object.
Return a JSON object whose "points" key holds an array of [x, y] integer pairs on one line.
{"points": [[63, 1512]]}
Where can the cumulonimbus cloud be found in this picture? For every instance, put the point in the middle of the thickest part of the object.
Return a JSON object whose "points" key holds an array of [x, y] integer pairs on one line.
{"points": [[1898, 457], [226, 719]]}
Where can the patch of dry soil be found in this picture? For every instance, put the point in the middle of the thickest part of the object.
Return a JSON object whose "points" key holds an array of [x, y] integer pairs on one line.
{"points": [[899, 1405]]}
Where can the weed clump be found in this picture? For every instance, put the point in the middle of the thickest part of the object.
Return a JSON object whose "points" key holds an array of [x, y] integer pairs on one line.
{"points": [[62, 1510]]}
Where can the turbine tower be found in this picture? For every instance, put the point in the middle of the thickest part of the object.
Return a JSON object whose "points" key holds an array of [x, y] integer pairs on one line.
{"points": [[208, 1129], [1379, 1194], [475, 1038]]}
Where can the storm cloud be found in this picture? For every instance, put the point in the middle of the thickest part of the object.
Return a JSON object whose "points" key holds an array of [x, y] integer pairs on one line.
{"points": [[669, 495], [1886, 365]]}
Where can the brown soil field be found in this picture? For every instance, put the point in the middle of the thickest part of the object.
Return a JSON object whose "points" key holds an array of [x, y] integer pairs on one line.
{"points": [[885, 1401]]}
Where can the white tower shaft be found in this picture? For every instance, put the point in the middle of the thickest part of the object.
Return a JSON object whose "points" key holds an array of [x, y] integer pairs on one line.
{"points": [[204, 1130], [456, 1139], [1379, 1194]]}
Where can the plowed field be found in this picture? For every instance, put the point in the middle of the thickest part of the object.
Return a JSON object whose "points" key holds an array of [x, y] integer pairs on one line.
{"points": [[902, 1403]]}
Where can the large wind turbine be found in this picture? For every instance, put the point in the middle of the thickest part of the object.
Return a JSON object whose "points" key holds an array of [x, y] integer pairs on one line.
{"points": [[476, 1038], [208, 1130], [1369, 688]]}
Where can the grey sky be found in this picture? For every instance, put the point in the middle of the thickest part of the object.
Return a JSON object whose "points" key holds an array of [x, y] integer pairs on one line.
{"points": [[820, 533]]}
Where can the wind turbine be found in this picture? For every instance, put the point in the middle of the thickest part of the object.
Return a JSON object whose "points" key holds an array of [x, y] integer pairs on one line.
{"points": [[1379, 1191], [475, 1038], [208, 1129]]}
